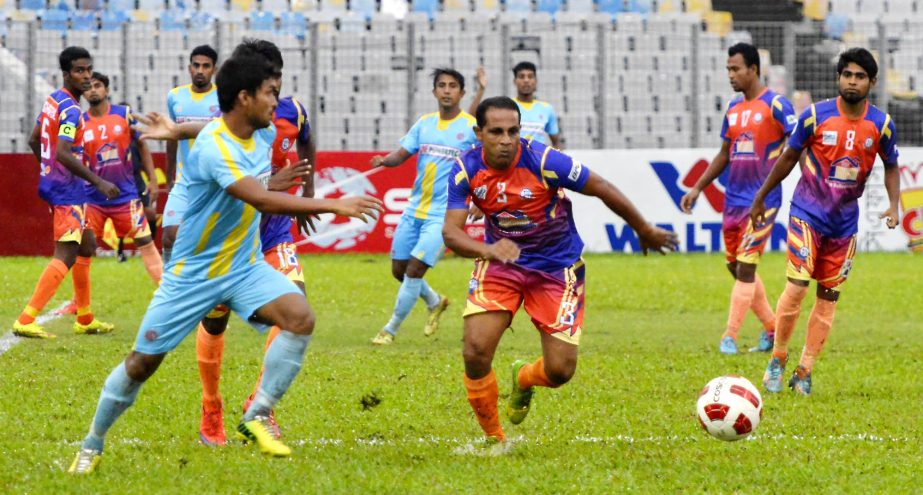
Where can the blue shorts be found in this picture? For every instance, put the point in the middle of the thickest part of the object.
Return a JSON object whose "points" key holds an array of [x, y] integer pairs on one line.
{"points": [[421, 239], [180, 304], [177, 203]]}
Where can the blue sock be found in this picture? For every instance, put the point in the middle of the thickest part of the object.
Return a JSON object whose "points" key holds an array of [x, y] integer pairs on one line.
{"points": [[429, 296], [167, 254], [282, 362], [118, 394], [406, 298]]}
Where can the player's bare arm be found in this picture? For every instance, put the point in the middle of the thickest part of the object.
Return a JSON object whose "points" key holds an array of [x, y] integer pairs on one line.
{"points": [[481, 79], [171, 164], [290, 175], [307, 150], [556, 141], [456, 239], [160, 127], [65, 156], [147, 161], [893, 186], [715, 168], [779, 172], [651, 237], [392, 159], [250, 191]]}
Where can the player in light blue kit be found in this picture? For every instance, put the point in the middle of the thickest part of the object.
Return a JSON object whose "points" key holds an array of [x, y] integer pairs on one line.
{"points": [[219, 258], [195, 102], [437, 139]]}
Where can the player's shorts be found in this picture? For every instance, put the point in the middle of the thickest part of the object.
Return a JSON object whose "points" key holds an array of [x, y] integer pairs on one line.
{"points": [[177, 203], [553, 300], [421, 239], [69, 222], [179, 304], [813, 255], [284, 258], [743, 242], [127, 218]]}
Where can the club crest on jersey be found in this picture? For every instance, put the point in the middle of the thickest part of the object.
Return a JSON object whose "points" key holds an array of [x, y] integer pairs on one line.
{"points": [[480, 192], [829, 138], [758, 118], [472, 285], [285, 144], [868, 143], [117, 129]]}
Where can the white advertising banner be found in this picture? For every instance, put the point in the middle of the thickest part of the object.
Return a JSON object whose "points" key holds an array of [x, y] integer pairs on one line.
{"points": [[656, 179]]}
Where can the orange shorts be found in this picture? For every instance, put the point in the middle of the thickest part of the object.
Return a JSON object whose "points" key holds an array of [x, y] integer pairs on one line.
{"points": [[555, 301], [284, 258], [69, 222], [812, 255], [127, 218], [743, 242]]}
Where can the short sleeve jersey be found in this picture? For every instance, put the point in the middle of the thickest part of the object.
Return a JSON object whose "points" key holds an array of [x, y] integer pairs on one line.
{"points": [[107, 151], [525, 203], [538, 121], [61, 118], [437, 144], [840, 155], [185, 105], [756, 131], [292, 127], [220, 233]]}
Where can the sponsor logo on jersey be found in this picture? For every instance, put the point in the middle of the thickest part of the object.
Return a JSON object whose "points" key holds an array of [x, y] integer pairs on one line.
{"points": [[792, 120], [575, 169], [829, 138], [732, 119], [438, 151], [844, 172]]}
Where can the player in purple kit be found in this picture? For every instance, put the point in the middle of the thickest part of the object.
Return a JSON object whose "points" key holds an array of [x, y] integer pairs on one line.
{"points": [[531, 255], [56, 143], [841, 137]]}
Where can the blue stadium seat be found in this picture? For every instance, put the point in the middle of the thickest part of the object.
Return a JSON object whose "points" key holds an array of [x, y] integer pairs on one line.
{"points": [[429, 7], [172, 20], [55, 19], [111, 20], [32, 4], [61, 4], [275, 6], [836, 25], [201, 21], [365, 8], [152, 5], [84, 20], [293, 24], [610, 7], [641, 6], [581, 6], [262, 21], [519, 6], [550, 6]]}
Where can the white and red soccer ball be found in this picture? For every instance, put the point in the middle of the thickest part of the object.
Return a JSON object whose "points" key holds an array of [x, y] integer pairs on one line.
{"points": [[729, 407]]}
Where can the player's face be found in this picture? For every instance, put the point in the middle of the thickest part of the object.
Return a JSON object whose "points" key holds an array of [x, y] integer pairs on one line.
{"points": [[201, 70], [741, 76], [97, 92], [500, 136], [855, 83], [80, 75], [447, 91], [261, 105], [525, 82]]}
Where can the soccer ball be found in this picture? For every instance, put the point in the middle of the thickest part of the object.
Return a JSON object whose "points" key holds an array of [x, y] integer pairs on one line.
{"points": [[729, 407]]}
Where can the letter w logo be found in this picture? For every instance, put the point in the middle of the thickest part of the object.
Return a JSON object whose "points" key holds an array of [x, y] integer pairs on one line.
{"points": [[676, 188]]}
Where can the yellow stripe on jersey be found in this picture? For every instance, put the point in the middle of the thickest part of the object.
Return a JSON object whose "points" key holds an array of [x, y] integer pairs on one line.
{"points": [[179, 266], [885, 131], [207, 232], [301, 116], [426, 190], [256, 249], [812, 120], [462, 174], [552, 174], [221, 265], [226, 155], [776, 103]]}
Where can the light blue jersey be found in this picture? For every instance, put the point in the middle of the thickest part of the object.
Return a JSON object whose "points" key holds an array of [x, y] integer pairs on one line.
{"points": [[184, 105], [538, 121], [437, 144]]}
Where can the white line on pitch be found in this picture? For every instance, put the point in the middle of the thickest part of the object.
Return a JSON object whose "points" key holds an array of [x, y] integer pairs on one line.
{"points": [[8, 340]]}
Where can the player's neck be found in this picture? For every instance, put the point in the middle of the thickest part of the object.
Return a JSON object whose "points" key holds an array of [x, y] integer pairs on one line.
{"points": [[100, 109], [754, 91], [74, 92], [450, 113], [206, 89], [238, 124], [853, 111]]}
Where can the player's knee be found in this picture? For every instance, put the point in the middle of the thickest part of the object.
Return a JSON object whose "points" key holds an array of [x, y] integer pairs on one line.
{"points": [[169, 236], [476, 355], [140, 367], [397, 273], [215, 326], [300, 321], [561, 373]]}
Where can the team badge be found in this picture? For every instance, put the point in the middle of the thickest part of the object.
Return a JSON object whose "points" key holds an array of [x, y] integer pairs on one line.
{"points": [[758, 118], [117, 129], [480, 192], [803, 252], [868, 143], [460, 136], [285, 144]]}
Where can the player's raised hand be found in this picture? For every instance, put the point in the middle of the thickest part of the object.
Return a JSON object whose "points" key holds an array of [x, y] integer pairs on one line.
{"points": [[657, 239], [157, 126], [504, 251], [290, 175], [893, 217], [361, 207], [481, 77], [108, 189], [687, 202]]}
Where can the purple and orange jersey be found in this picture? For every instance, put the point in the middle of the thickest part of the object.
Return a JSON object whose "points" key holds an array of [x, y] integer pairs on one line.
{"points": [[756, 131], [292, 127], [841, 153], [60, 119], [524, 203], [107, 151]]}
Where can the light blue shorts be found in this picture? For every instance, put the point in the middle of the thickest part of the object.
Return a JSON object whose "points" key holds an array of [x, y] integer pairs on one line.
{"points": [[421, 239], [177, 203], [180, 304]]}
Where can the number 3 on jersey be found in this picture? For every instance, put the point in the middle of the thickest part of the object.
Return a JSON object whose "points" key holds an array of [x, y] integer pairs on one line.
{"points": [[501, 192]]}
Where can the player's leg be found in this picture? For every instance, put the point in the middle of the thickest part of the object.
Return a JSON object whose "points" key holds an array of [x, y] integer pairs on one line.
{"points": [[426, 254], [733, 227], [209, 346], [69, 223], [140, 230], [749, 253], [80, 275], [405, 238]]}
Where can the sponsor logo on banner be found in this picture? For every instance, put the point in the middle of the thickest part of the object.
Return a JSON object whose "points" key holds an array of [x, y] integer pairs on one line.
{"points": [[341, 233], [670, 178], [912, 206]]}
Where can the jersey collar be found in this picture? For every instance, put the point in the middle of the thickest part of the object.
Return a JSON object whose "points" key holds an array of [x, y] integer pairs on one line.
{"points": [[839, 108]]}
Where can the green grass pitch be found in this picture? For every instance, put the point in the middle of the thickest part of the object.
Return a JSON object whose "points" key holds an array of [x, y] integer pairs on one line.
{"points": [[624, 424]]}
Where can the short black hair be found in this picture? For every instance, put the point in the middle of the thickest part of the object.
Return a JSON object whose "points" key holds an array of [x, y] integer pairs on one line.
{"points": [[265, 48], [861, 57], [70, 54], [524, 66], [445, 71], [749, 53], [245, 72], [205, 50], [99, 76], [503, 102]]}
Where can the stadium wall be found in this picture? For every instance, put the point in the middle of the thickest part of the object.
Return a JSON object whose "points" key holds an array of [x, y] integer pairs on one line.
{"points": [[655, 180]]}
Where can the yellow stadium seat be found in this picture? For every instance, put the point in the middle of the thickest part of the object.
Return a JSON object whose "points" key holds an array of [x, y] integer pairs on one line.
{"points": [[718, 22], [304, 5], [667, 6], [141, 16], [815, 9], [242, 5], [698, 6]]}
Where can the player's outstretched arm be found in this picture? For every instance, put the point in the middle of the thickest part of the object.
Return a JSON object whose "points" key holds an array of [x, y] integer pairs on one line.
{"points": [[160, 127], [456, 239], [893, 186], [651, 237], [393, 159], [250, 191], [717, 165], [307, 150], [65, 156], [784, 166], [147, 161]]}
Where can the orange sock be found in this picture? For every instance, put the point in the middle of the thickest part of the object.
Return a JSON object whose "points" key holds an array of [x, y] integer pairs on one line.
{"points": [[819, 324], [761, 307], [533, 375], [209, 349], [153, 263], [741, 299], [482, 395], [787, 312], [273, 332], [80, 275], [47, 285]]}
